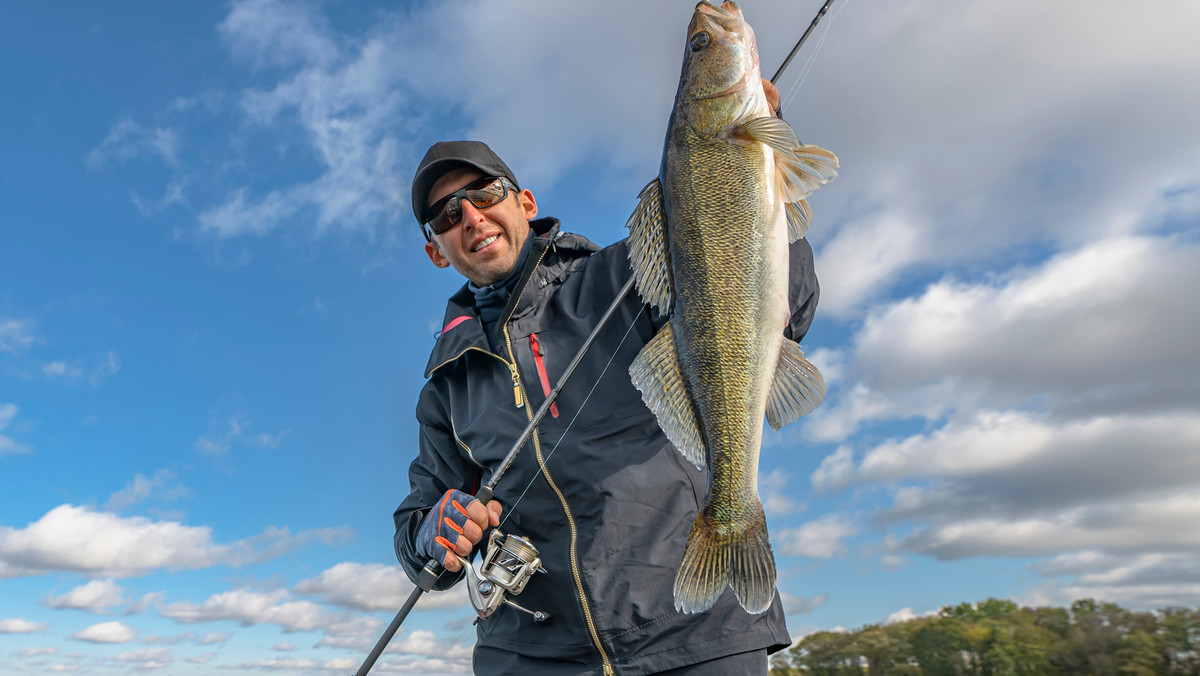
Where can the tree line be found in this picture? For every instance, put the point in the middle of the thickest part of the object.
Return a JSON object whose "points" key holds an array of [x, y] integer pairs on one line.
{"points": [[998, 638]]}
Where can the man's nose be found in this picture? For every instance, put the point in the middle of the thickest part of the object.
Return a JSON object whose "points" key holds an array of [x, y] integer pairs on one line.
{"points": [[471, 214]]}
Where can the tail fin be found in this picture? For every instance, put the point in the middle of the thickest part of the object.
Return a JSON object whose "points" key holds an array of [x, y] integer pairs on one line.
{"points": [[716, 558]]}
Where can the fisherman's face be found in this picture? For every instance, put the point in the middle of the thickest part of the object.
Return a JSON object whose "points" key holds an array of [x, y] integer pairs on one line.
{"points": [[466, 246]]}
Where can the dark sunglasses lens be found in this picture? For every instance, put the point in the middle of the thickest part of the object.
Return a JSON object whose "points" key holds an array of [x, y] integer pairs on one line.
{"points": [[483, 193]]}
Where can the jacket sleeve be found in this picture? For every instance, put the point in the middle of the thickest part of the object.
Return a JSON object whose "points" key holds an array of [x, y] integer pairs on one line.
{"points": [[803, 290], [437, 468]]}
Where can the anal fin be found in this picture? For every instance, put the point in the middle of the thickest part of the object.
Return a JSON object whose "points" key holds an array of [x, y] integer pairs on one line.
{"points": [[655, 372], [798, 388]]}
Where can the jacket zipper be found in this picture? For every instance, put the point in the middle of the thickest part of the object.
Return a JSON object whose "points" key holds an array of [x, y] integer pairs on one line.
{"points": [[538, 353], [537, 448]]}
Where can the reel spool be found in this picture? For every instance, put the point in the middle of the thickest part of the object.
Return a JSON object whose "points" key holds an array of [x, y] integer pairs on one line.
{"points": [[509, 563]]}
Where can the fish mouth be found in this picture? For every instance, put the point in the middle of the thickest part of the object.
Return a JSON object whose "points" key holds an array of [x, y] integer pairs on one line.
{"points": [[726, 10]]}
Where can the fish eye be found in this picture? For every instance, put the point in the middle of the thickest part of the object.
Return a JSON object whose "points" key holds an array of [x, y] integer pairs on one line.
{"points": [[699, 41]]}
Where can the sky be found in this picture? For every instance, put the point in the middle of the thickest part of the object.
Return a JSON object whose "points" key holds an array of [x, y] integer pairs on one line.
{"points": [[215, 309]]}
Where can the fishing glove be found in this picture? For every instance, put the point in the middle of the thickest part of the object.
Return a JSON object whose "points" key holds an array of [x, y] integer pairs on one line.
{"points": [[443, 524]]}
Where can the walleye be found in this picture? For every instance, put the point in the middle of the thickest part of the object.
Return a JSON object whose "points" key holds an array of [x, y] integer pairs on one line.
{"points": [[709, 245]]}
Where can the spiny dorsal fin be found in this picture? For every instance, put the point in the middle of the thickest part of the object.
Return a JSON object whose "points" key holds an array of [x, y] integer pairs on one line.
{"points": [[798, 388], [655, 372], [648, 251]]}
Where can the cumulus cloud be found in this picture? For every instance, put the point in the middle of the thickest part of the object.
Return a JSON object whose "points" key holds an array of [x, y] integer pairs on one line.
{"points": [[775, 500], [149, 658], [34, 652], [106, 632], [820, 538], [371, 587], [79, 539], [95, 595], [276, 607], [1086, 333], [19, 625], [798, 605]]}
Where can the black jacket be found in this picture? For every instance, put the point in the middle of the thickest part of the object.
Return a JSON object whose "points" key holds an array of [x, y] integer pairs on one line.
{"points": [[610, 508]]}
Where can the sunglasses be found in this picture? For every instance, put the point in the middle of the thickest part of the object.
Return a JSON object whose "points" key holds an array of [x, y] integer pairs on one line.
{"points": [[483, 193]]}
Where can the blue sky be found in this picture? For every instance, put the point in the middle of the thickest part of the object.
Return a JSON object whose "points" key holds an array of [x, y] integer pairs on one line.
{"points": [[215, 310]]}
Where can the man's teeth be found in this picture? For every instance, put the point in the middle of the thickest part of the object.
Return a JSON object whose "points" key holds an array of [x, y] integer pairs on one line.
{"points": [[485, 242]]}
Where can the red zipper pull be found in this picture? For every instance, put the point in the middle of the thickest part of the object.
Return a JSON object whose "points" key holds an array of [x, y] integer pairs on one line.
{"points": [[538, 353]]}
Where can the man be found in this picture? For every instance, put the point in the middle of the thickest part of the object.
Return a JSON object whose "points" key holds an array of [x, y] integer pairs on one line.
{"points": [[609, 503]]}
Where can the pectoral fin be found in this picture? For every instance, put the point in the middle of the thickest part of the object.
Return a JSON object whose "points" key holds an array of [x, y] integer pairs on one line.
{"points": [[655, 372], [802, 169], [797, 390], [648, 251], [771, 131]]}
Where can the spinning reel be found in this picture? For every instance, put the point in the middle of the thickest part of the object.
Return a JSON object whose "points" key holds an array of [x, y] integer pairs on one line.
{"points": [[509, 563]]}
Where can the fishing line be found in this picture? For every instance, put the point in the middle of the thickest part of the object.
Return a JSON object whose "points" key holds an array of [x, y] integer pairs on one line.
{"points": [[812, 58], [578, 410]]}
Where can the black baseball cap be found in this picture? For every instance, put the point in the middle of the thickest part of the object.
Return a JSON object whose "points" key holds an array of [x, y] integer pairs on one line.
{"points": [[445, 156]]}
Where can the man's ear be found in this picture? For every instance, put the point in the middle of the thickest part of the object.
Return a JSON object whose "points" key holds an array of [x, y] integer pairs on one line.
{"points": [[528, 204], [435, 255]]}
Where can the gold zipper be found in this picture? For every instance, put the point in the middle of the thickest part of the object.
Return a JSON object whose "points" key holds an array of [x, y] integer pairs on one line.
{"points": [[537, 448]]}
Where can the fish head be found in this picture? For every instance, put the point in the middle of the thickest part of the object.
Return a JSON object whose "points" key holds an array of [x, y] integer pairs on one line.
{"points": [[720, 82]]}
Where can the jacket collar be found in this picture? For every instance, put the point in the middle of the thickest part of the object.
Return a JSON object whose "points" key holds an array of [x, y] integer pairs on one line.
{"points": [[461, 328]]}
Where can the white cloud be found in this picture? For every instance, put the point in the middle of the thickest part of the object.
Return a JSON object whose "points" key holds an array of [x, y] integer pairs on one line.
{"points": [[1104, 328], [140, 488], [106, 368], [771, 489], [370, 587], [283, 647], [7, 444], [127, 140], [15, 335], [203, 658], [798, 605], [276, 607], [149, 658], [78, 539], [819, 538], [19, 625], [106, 632], [1135, 524], [95, 595], [233, 431], [214, 637], [905, 614], [34, 652]]}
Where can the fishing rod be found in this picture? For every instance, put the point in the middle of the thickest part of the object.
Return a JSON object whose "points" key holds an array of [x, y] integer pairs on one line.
{"points": [[511, 560], [816, 20]]}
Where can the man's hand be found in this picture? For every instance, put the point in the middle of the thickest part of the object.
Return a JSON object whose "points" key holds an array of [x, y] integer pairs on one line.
{"points": [[772, 96], [450, 528]]}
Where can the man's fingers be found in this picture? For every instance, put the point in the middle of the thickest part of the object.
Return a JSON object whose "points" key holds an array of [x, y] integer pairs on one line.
{"points": [[451, 563], [478, 513], [494, 511], [772, 94], [472, 532]]}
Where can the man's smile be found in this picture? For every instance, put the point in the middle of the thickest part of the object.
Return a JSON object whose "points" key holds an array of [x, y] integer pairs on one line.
{"points": [[484, 243]]}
